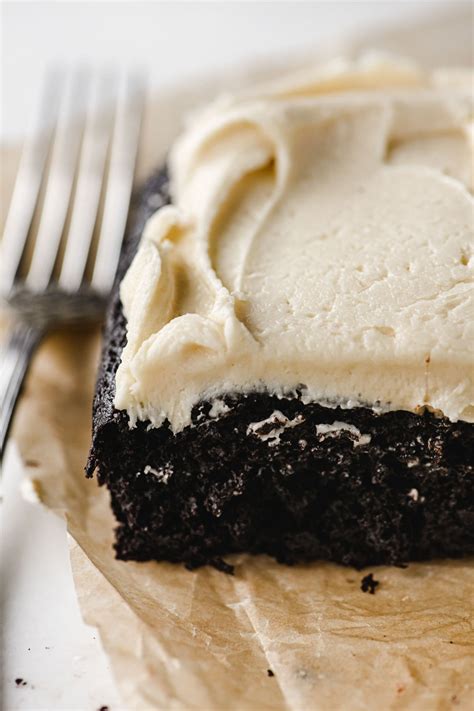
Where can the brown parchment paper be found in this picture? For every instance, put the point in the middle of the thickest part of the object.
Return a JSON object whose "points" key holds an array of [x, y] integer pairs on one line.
{"points": [[205, 640]]}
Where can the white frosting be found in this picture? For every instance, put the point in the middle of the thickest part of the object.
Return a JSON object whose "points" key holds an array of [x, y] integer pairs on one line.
{"points": [[162, 474], [218, 408], [414, 494], [270, 429], [321, 236], [335, 427]]}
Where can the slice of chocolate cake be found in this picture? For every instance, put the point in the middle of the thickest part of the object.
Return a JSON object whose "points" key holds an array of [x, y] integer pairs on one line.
{"points": [[287, 363]]}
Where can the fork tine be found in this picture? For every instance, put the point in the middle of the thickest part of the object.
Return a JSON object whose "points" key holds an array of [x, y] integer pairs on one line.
{"points": [[28, 181], [119, 182], [89, 183], [60, 180]]}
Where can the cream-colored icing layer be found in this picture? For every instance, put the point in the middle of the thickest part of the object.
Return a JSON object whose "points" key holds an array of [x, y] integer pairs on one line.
{"points": [[320, 238]]}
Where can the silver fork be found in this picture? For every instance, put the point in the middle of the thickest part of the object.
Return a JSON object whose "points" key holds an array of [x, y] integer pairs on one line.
{"points": [[74, 180]]}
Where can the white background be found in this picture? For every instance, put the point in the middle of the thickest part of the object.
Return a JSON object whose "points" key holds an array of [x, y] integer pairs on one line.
{"points": [[44, 639], [175, 41]]}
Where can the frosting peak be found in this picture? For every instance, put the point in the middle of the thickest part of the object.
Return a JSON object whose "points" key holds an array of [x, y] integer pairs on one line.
{"points": [[320, 239]]}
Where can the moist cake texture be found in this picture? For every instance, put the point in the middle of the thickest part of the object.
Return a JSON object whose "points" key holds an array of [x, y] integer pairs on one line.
{"points": [[287, 368]]}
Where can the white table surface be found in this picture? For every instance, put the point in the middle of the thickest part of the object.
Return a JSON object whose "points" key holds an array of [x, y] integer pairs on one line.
{"points": [[44, 639]]}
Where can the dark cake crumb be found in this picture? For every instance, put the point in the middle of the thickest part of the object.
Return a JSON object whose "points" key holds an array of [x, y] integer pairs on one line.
{"points": [[20, 682], [224, 567], [270, 672], [369, 584], [216, 563], [103, 708]]}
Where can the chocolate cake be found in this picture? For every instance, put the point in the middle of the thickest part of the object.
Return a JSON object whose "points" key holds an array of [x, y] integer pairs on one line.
{"points": [[212, 441]]}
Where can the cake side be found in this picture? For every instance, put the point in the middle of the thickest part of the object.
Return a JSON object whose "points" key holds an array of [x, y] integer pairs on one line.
{"points": [[145, 201], [263, 474]]}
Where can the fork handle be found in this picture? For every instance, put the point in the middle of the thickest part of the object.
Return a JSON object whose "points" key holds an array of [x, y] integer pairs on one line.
{"points": [[15, 356]]}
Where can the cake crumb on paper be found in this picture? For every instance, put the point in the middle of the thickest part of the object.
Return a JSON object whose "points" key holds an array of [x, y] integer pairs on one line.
{"points": [[369, 584]]}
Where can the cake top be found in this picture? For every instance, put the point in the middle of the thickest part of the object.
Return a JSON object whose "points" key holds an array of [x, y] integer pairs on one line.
{"points": [[319, 241]]}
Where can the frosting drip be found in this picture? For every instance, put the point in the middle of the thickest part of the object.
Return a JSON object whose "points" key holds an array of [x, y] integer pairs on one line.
{"points": [[321, 240]]}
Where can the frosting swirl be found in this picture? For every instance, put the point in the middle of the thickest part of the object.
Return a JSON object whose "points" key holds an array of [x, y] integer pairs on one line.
{"points": [[320, 239]]}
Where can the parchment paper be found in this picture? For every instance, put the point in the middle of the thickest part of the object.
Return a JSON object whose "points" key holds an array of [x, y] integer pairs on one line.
{"points": [[205, 640]]}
